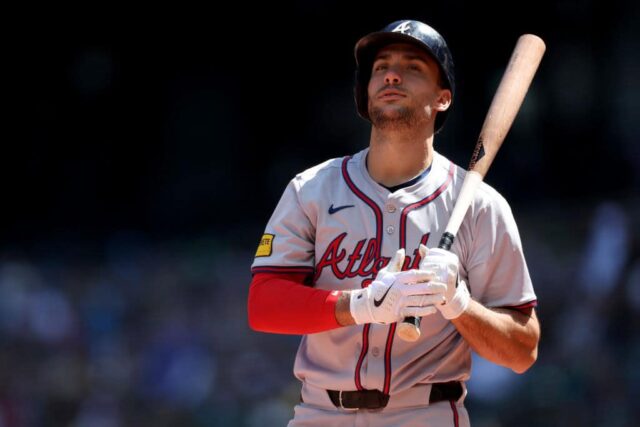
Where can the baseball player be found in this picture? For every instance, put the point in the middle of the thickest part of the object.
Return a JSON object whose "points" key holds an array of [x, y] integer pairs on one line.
{"points": [[351, 249]]}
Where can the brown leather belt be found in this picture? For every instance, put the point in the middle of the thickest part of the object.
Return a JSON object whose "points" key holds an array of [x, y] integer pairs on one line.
{"points": [[375, 399]]}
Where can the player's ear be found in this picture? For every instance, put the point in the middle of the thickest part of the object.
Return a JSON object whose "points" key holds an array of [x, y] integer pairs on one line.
{"points": [[443, 101]]}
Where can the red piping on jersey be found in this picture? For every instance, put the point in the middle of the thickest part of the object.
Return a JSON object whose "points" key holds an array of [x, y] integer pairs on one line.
{"points": [[529, 304], [376, 209], [378, 213], [421, 203], [455, 413], [524, 308], [387, 358], [365, 348], [282, 269]]}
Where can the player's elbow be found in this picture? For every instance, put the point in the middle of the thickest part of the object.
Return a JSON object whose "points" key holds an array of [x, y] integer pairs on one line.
{"points": [[256, 320], [252, 319], [255, 315], [528, 354], [255, 324], [526, 361]]}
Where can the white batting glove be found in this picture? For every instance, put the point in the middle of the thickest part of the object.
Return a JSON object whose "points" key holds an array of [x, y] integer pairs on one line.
{"points": [[444, 265], [394, 295]]}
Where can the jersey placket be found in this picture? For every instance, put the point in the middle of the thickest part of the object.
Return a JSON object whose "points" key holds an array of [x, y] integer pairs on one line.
{"points": [[362, 363], [377, 371], [395, 217]]}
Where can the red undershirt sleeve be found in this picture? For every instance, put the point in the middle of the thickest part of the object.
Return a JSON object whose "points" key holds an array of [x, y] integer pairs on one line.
{"points": [[282, 304]]}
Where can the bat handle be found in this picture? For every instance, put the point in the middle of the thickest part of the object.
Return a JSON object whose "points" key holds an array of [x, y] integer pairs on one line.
{"points": [[446, 241], [409, 329]]}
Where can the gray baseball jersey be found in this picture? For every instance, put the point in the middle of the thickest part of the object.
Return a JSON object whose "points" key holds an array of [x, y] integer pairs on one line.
{"points": [[335, 222]]}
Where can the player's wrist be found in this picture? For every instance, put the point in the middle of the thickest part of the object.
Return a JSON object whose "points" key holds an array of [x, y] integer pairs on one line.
{"points": [[458, 304], [359, 307], [343, 310]]}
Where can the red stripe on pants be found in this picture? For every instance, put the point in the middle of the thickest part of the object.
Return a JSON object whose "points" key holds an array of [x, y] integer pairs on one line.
{"points": [[455, 413]]}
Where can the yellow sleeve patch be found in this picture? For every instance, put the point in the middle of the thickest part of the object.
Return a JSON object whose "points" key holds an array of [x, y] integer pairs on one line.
{"points": [[266, 245]]}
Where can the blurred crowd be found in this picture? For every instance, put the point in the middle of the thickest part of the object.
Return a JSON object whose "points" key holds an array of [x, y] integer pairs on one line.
{"points": [[585, 264], [144, 333]]}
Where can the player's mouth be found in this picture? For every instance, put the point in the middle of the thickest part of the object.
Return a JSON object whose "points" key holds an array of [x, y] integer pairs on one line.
{"points": [[390, 95]]}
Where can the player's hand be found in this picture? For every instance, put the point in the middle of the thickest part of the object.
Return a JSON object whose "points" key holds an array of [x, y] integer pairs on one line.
{"points": [[394, 295], [444, 265]]}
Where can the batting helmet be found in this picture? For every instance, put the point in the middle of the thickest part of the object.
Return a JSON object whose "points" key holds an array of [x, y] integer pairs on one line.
{"points": [[407, 31]]}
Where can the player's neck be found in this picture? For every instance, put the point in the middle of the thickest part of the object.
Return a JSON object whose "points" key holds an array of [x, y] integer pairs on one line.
{"points": [[395, 158]]}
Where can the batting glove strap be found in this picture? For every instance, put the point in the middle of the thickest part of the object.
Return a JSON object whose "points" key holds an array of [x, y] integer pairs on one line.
{"points": [[378, 303], [360, 307], [453, 307], [360, 303]]}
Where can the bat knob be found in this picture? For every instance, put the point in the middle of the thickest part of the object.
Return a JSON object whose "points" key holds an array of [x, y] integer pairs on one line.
{"points": [[409, 329]]}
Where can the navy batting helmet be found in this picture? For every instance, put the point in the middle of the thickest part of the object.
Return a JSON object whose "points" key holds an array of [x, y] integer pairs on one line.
{"points": [[407, 31]]}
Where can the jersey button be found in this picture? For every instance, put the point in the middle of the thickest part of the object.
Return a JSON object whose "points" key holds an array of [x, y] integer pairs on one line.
{"points": [[390, 229], [390, 208], [375, 351]]}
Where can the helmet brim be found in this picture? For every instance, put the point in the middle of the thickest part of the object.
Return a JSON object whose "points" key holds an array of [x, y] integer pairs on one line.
{"points": [[373, 42]]}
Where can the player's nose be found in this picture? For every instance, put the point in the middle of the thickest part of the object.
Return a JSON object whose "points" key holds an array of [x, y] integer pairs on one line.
{"points": [[392, 76]]}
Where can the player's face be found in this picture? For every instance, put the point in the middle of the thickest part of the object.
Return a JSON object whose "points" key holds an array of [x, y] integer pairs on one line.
{"points": [[403, 89]]}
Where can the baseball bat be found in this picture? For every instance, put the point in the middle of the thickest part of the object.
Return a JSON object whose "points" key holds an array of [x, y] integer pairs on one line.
{"points": [[506, 102]]}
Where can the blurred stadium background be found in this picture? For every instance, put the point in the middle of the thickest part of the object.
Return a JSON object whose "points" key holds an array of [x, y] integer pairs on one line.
{"points": [[143, 152]]}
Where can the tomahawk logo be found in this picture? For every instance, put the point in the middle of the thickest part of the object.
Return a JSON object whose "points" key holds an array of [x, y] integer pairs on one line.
{"points": [[403, 28]]}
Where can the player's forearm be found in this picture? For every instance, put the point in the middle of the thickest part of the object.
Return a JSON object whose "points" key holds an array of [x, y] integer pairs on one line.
{"points": [[503, 336], [281, 304]]}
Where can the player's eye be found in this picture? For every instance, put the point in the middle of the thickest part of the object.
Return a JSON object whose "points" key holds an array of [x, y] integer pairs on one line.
{"points": [[379, 66]]}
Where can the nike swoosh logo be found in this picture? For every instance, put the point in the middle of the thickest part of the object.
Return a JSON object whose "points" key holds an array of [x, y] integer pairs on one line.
{"points": [[380, 301], [333, 210]]}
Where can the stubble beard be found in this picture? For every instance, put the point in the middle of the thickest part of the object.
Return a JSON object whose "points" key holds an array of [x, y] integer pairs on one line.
{"points": [[396, 119]]}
